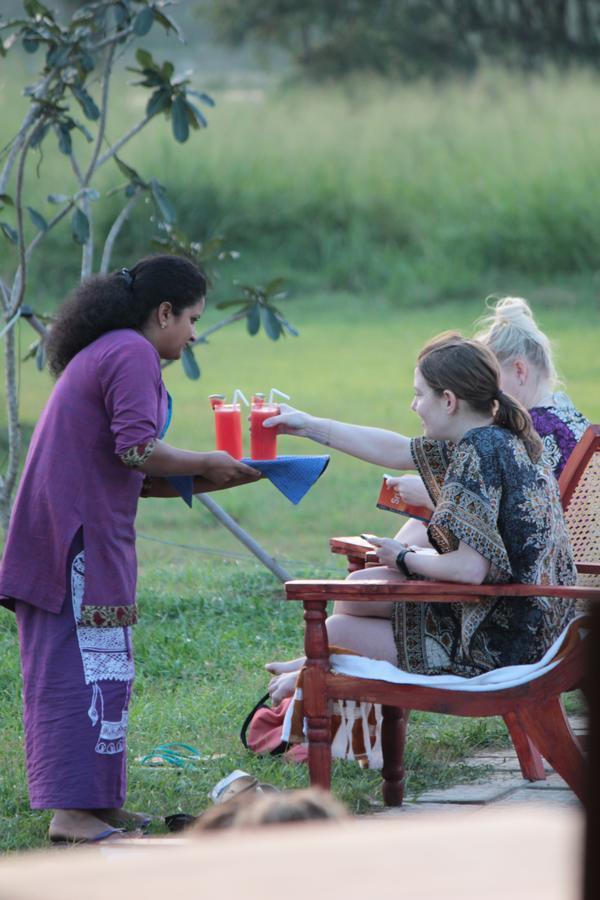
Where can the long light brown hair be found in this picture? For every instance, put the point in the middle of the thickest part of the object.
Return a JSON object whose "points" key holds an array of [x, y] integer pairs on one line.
{"points": [[470, 370]]}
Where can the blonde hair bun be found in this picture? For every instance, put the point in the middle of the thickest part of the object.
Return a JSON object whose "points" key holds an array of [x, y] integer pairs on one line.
{"points": [[511, 332]]}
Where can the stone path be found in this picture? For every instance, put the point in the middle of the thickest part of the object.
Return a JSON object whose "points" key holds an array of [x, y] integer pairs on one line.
{"points": [[503, 786]]}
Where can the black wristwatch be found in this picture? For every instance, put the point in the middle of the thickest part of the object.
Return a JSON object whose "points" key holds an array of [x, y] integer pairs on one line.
{"points": [[400, 564]]}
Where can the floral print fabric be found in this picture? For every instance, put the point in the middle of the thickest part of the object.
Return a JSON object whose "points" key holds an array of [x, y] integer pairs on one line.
{"points": [[494, 499], [560, 426]]}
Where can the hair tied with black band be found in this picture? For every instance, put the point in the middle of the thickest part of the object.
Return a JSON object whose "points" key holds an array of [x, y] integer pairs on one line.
{"points": [[126, 275]]}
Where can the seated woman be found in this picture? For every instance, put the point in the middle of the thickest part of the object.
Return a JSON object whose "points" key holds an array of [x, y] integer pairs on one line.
{"points": [[497, 518], [527, 373]]}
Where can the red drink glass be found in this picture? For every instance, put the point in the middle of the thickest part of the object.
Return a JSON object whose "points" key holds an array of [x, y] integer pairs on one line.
{"points": [[263, 441], [228, 426]]}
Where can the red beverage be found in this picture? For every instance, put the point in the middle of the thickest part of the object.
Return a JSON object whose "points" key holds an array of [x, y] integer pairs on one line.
{"points": [[263, 441], [228, 426]]}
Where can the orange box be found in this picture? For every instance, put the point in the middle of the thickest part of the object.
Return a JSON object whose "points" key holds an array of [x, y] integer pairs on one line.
{"points": [[390, 500]]}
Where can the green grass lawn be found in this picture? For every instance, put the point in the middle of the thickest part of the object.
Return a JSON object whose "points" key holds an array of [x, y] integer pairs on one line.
{"points": [[208, 624]]}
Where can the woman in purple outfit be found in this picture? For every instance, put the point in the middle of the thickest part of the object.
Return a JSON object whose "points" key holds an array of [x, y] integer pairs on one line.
{"points": [[69, 564]]}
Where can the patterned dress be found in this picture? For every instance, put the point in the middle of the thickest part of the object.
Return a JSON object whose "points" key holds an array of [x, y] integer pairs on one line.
{"points": [[488, 494], [560, 426]]}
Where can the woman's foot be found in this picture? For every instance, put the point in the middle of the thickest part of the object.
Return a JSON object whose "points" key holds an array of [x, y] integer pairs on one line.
{"points": [[123, 818], [282, 686], [292, 665], [79, 825]]}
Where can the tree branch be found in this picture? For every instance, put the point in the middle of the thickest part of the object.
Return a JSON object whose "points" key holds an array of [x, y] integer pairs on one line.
{"points": [[4, 295], [122, 141], [21, 278], [14, 428], [87, 251], [42, 234], [202, 337], [116, 228], [103, 113]]}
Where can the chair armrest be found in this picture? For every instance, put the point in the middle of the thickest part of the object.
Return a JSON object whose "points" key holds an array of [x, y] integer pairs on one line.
{"points": [[350, 546], [427, 591]]}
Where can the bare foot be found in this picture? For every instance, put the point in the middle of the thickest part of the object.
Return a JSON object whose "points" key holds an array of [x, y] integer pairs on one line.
{"points": [[123, 818], [282, 686], [76, 825], [292, 665]]}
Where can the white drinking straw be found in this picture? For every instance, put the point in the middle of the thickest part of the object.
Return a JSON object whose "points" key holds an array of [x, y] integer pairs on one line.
{"points": [[238, 394], [279, 394]]}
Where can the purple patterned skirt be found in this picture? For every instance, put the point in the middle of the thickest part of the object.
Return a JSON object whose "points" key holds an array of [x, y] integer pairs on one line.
{"points": [[77, 683]]}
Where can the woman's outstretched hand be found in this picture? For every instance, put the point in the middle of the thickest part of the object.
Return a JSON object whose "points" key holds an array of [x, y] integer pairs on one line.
{"points": [[289, 421], [224, 471]]}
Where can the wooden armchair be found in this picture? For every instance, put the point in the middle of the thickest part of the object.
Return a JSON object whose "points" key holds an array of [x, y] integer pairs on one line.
{"points": [[533, 712]]}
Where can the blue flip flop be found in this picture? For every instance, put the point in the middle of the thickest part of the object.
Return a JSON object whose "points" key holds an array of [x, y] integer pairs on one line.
{"points": [[61, 841]]}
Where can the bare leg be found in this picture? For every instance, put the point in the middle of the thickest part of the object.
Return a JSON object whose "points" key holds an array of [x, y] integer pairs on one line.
{"points": [[413, 533], [376, 610], [369, 637]]}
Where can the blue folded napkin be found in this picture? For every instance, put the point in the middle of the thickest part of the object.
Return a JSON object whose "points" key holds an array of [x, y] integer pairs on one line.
{"points": [[185, 485], [292, 475]]}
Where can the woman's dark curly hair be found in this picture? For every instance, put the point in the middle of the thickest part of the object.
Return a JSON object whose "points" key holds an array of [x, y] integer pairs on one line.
{"points": [[123, 299]]}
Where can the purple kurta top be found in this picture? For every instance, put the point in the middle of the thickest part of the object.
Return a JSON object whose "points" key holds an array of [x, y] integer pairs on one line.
{"points": [[109, 398]]}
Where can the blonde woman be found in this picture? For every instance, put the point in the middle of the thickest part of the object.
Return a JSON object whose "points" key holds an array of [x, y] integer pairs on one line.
{"points": [[527, 373]]}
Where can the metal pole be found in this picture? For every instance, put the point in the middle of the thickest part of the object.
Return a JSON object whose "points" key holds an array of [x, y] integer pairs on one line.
{"points": [[243, 537]]}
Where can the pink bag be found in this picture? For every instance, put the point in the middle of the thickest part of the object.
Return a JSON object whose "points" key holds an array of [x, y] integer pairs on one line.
{"points": [[262, 729]]}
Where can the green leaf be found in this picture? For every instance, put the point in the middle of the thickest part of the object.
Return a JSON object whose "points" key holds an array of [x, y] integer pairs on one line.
{"points": [[34, 8], [163, 205], [168, 23], [37, 219], [167, 70], [80, 227], [130, 173], [64, 140], [190, 366], [274, 286], [145, 59], [9, 233], [81, 127], [159, 101], [179, 119], [289, 327], [253, 319], [271, 323], [30, 45], [58, 198], [144, 21], [39, 134], [7, 200], [87, 61], [58, 56], [86, 102], [196, 115], [202, 96]]}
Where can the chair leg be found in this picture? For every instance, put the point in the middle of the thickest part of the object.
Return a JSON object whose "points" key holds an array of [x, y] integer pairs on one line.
{"points": [[547, 725], [393, 740], [530, 759], [319, 751]]}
